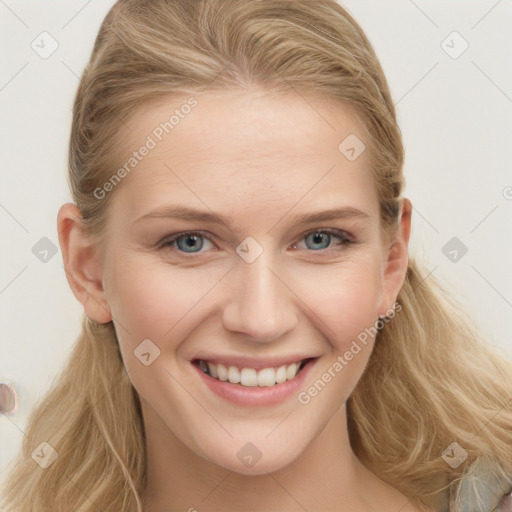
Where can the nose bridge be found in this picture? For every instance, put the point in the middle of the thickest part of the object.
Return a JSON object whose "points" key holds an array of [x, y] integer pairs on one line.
{"points": [[260, 304]]}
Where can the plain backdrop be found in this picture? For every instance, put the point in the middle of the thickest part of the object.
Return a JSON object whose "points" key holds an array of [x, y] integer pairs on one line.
{"points": [[454, 108]]}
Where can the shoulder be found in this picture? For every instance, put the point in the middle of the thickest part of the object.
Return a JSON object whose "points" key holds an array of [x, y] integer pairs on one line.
{"points": [[486, 486]]}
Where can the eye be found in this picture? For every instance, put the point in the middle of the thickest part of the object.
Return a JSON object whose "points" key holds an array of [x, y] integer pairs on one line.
{"points": [[190, 242], [321, 238]]}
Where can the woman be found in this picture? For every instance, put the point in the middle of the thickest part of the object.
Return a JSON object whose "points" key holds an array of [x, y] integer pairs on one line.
{"points": [[255, 336]]}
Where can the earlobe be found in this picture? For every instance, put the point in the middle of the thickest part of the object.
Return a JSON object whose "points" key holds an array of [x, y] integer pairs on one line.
{"points": [[81, 263], [398, 259]]}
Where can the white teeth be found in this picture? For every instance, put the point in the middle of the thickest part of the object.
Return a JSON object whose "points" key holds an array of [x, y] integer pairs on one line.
{"points": [[281, 374], [250, 376], [291, 371], [267, 377], [222, 372], [233, 375]]}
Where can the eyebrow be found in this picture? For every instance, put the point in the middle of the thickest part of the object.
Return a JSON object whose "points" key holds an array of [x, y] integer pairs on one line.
{"points": [[187, 213]]}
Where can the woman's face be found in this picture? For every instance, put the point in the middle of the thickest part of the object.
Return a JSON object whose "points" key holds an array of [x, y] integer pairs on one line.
{"points": [[263, 288]]}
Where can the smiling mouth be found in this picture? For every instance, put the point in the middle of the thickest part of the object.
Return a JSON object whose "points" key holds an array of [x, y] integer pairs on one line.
{"points": [[250, 377]]}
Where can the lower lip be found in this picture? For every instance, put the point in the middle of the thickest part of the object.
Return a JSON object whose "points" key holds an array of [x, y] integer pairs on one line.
{"points": [[255, 395]]}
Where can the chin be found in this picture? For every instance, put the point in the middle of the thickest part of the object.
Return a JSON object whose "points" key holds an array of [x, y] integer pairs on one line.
{"points": [[251, 461]]}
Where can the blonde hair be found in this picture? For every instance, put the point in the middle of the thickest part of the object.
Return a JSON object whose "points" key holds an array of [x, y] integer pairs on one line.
{"points": [[430, 381]]}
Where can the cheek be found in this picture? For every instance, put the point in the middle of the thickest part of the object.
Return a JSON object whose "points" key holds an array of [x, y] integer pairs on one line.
{"points": [[346, 301], [153, 296], [345, 304]]}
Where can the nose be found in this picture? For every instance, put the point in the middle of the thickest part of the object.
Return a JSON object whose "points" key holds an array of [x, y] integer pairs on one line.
{"points": [[261, 305]]}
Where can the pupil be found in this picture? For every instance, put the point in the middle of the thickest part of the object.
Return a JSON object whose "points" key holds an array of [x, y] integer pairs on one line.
{"points": [[317, 239], [191, 241]]}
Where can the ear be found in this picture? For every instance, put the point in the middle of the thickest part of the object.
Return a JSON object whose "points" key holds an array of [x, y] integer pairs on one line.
{"points": [[82, 264], [397, 259]]}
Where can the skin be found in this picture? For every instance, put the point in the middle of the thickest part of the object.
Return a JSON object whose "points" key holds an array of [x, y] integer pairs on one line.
{"points": [[262, 159]]}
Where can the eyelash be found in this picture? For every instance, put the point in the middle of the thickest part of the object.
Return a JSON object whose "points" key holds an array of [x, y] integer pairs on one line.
{"points": [[341, 235]]}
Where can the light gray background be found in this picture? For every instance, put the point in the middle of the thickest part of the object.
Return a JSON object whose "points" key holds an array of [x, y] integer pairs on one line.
{"points": [[455, 115]]}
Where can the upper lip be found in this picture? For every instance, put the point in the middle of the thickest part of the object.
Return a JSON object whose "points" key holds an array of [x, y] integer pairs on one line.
{"points": [[257, 364]]}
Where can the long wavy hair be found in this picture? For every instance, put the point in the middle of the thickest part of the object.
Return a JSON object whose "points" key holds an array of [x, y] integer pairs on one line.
{"points": [[431, 379]]}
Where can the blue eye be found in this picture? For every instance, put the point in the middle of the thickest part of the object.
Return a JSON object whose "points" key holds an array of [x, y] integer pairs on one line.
{"points": [[192, 242], [323, 237], [187, 242], [320, 238]]}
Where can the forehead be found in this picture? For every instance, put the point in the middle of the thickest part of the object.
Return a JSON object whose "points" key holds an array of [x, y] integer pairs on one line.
{"points": [[244, 146], [248, 121]]}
